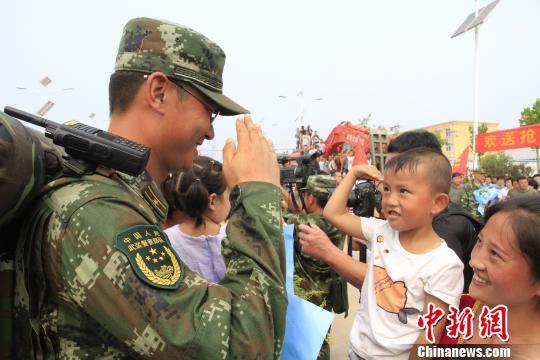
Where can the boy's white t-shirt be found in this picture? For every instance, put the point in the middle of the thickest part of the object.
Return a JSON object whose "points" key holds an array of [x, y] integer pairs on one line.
{"points": [[394, 291]]}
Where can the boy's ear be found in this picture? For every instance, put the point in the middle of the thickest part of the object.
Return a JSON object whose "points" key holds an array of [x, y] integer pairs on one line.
{"points": [[537, 292], [440, 203]]}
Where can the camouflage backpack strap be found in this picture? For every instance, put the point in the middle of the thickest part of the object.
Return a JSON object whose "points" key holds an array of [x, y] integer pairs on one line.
{"points": [[29, 291], [28, 161], [6, 304]]}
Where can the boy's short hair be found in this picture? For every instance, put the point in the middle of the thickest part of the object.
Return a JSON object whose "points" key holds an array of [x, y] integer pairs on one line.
{"points": [[413, 139], [440, 171]]}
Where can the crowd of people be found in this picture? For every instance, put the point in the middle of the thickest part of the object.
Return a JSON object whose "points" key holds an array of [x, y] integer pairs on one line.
{"points": [[337, 163], [186, 260], [479, 191]]}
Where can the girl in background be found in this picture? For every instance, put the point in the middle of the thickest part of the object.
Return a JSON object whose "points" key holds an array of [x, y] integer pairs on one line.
{"points": [[198, 206]]}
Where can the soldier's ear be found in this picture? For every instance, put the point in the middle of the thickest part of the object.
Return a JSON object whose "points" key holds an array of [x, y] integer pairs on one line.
{"points": [[310, 198], [155, 90]]}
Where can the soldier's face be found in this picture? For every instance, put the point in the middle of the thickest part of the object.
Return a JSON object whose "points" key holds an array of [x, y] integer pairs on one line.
{"points": [[186, 125]]}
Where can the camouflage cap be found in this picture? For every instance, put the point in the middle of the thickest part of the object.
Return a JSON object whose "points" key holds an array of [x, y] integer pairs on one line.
{"points": [[324, 184], [149, 45]]}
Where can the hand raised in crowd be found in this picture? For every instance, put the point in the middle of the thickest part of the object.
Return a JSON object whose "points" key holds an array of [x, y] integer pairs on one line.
{"points": [[368, 172], [254, 159], [315, 242]]}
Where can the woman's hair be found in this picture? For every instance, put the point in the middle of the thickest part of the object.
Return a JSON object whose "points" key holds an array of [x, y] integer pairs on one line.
{"points": [[188, 191], [524, 216]]}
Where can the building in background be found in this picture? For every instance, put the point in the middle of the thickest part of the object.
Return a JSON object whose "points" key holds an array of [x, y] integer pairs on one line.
{"points": [[456, 136]]}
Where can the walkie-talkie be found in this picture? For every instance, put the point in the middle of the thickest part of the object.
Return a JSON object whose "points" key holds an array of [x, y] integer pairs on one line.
{"points": [[91, 144]]}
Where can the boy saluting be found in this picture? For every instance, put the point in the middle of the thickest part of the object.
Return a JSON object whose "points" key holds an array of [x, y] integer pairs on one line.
{"points": [[410, 265]]}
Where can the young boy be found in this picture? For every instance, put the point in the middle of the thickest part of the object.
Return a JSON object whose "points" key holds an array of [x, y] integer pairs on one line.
{"points": [[410, 265]]}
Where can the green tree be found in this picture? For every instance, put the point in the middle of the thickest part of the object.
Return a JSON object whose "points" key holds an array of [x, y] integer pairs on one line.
{"points": [[364, 121], [439, 137], [531, 116], [482, 128], [496, 164], [395, 129], [520, 169]]}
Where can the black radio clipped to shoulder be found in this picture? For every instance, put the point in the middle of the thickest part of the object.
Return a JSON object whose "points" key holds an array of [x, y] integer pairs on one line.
{"points": [[91, 144]]}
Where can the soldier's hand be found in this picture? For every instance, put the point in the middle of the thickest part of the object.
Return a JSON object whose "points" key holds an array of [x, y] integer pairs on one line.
{"points": [[368, 172], [254, 159], [314, 241]]}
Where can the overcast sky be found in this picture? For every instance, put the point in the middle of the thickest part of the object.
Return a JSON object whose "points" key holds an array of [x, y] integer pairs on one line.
{"points": [[391, 58]]}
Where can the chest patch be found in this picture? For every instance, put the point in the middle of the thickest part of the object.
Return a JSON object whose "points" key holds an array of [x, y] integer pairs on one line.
{"points": [[151, 257]]}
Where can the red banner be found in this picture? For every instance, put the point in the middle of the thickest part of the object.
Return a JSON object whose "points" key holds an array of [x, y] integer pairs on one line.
{"points": [[460, 165], [521, 137]]}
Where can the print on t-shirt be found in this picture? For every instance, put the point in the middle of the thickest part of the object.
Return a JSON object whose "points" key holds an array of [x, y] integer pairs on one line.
{"points": [[391, 296]]}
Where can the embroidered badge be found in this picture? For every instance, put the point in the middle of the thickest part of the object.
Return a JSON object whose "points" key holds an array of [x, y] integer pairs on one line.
{"points": [[150, 255]]}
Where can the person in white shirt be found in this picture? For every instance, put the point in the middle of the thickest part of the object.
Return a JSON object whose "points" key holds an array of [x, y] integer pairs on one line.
{"points": [[198, 206], [306, 140], [315, 139], [323, 163], [410, 265]]}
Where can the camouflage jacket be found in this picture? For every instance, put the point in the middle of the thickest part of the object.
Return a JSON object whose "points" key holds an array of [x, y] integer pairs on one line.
{"points": [[313, 276], [96, 277], [468, 202]]}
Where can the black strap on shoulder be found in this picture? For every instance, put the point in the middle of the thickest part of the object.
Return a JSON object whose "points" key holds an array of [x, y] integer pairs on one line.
{"points": [[455, 209]]}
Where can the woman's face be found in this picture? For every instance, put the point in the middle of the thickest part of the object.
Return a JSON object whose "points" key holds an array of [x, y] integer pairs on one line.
{"points": [[502, 273]]}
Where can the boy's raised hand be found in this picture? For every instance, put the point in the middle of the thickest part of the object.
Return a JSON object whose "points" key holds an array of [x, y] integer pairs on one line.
{"points": [[368, 172]]}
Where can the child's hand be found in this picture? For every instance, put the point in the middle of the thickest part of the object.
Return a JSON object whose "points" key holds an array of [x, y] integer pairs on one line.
{"points": [[314, 241], [368, 172]]}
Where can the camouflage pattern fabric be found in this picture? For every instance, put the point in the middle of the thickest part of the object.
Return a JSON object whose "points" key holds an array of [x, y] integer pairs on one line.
{"points": [[323, 184], [150, 45], [468, 202], [27, 161], [86, 300], [313, 277]]}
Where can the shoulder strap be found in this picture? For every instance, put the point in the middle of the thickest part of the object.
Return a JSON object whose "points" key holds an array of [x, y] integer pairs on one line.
{"points": [[454, 209]]}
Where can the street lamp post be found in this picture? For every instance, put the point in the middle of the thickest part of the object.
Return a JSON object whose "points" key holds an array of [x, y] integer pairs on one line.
{"points": [[473, 21]]}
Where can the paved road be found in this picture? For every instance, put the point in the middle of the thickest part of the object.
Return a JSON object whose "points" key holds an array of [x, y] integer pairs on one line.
{"points": [[341, 327]]}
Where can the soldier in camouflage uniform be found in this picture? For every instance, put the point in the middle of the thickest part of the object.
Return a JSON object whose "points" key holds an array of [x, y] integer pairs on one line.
{"points": [[468, 202], [313, 278], [95, 275]]}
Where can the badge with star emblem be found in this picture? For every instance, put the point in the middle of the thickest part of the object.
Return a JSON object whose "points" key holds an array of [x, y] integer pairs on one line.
{"points": [[150, 255]]}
